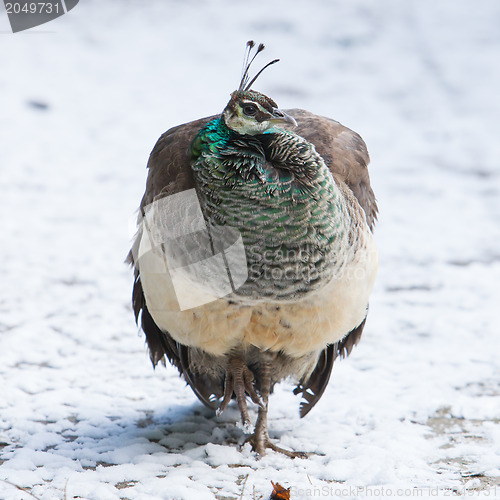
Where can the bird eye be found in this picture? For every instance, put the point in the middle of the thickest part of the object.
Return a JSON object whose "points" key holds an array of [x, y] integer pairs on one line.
{"points": [[250, 109]]}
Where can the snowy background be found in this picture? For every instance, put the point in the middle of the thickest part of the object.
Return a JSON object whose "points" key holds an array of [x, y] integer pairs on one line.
{"points": [[83, 100]]}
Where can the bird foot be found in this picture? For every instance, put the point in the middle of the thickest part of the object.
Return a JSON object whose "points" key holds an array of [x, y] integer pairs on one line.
{"points": [[261, 443], [239, 381]]}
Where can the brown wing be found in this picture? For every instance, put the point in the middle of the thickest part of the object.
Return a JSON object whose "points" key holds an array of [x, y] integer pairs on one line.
{"points": [[169, 172], [169, 167]]}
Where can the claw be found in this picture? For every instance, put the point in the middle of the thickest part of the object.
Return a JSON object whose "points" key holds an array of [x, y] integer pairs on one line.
{"points": [[260, 443], [248, 378]]}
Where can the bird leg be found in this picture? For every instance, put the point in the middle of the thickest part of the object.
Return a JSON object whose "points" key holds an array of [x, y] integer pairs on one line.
{"points": [[260, 437], [239, 381]]}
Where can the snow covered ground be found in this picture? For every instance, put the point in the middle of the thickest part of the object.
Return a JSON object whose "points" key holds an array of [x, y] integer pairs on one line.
{"points": [[414, 411]]}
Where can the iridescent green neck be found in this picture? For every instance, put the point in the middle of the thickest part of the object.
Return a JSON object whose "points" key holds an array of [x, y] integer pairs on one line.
{"points": [[213, 137], [227, 157]]}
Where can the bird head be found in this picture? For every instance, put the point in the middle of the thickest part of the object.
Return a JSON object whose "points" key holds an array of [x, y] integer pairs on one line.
{"points": [[248, 111]]}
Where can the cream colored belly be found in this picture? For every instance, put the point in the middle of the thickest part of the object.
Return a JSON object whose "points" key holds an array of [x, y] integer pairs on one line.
{"points": [[296, 328]]}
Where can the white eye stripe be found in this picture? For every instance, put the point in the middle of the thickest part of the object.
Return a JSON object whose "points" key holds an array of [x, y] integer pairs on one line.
{"points": [[252, 103]]}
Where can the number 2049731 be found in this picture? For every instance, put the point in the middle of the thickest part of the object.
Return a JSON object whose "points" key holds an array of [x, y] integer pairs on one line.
{"points": [[32, 7]]}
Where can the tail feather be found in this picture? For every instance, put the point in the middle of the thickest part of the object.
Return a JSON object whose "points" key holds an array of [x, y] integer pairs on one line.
{"points": [[313, 388]]}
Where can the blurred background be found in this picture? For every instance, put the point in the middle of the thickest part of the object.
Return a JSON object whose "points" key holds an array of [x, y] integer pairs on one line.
{"points": [[83, 100]]}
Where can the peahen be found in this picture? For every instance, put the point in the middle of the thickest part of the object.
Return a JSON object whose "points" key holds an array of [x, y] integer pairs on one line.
{"points": [[254, 258]]}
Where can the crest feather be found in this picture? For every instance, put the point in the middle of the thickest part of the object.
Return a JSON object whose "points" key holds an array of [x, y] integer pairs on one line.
{"points": [[245, 82]]}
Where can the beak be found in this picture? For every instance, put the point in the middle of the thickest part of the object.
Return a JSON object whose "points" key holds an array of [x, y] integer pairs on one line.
{"points": [[281, 117]]}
